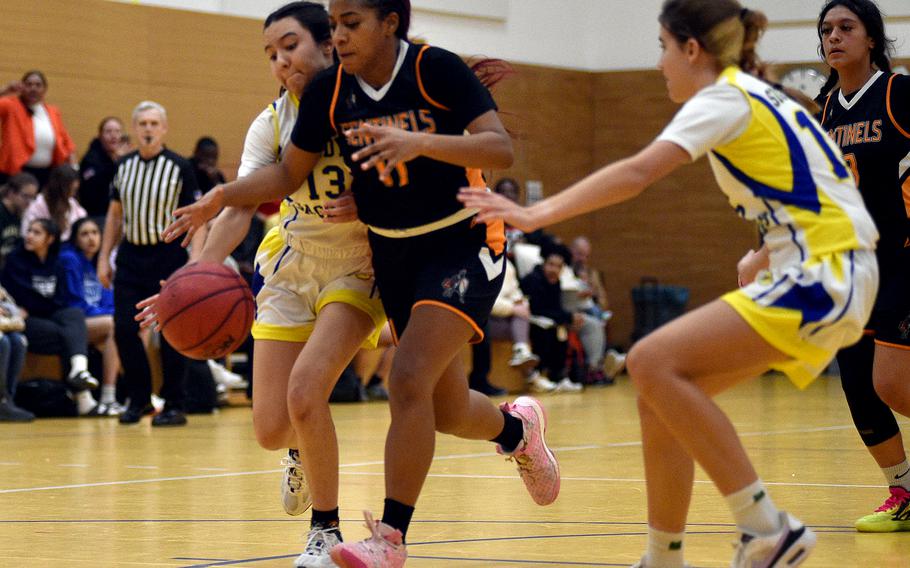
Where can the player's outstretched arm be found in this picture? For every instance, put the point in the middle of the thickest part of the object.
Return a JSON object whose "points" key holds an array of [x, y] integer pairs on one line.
{"points": [[609, 185], [266, 184]]}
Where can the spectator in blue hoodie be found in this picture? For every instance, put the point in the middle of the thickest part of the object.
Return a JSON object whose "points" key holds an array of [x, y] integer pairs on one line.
{"points": [[83, 290], [33, 277]]}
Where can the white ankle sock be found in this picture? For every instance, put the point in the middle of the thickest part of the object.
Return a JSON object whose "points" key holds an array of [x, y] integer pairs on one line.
{"points": [[108, 394], [753, 509], [664, 549], [84, 401], [78, 363], [898, 475]]}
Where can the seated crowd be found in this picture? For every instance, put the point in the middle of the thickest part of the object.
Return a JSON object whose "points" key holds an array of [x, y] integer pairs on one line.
{"points": [[552, 309]]}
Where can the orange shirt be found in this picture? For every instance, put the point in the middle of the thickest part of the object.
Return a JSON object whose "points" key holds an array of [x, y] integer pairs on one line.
{"points": [[17, 135]]}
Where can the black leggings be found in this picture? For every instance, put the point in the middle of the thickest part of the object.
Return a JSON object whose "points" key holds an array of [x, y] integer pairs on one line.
{"points": [[62, 333], [873, 418]]}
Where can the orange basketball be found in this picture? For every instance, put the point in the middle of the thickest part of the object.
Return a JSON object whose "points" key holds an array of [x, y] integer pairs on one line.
{"points": [[205, 310]]}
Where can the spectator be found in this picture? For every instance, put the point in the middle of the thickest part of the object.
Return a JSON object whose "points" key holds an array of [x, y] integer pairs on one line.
{"points": [[98, 168], [83, 290], [509, 188], [205, 164], [33, 277], [510, 319], [57, 201], [140, 209], [12, 356], [550, 320], [32, 135], [590, 298], [16, 195]]}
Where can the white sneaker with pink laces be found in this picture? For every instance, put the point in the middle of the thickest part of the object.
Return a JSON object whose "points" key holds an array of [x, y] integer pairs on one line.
{"points": [[384, 549], [536, 463]]}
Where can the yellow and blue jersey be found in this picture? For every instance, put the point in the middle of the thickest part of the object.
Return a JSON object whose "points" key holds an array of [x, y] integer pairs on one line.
{"points": [[778, 167], [301, 212], [785, 173]]}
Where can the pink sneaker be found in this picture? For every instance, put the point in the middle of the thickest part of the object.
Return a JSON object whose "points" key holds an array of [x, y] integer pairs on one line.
{"points": [[384, 549], [536, 463]]}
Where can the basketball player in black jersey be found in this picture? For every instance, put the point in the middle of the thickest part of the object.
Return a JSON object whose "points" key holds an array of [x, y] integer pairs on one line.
{"points": [[866, 109], [399, 112]]}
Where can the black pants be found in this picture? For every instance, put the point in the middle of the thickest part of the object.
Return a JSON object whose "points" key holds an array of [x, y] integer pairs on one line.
{"points": [[552, 351], [139, 268], [62, 333]]}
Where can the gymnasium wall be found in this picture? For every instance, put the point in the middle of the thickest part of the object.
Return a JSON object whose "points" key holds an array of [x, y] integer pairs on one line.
{"points": [[209, 70]]}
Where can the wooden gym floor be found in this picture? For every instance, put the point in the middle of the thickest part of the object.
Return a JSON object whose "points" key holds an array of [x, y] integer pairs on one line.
{"points": [[83, 493]]}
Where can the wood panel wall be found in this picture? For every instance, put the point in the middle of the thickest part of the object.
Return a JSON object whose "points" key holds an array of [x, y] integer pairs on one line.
{"points": [[102, 58], [209, 71]]}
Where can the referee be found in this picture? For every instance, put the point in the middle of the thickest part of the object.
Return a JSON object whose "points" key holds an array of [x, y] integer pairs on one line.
{"points": [[150, 183]]}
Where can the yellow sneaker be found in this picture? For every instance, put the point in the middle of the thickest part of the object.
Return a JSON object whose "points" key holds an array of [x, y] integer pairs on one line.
{"points": [[892, 516]]}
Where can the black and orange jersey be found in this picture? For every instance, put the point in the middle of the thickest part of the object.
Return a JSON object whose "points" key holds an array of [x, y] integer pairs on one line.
{"points": [[432, 90], [872, 128]]}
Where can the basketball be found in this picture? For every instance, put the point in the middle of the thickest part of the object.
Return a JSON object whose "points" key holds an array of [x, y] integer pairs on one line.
{"points": [[205, 310]]}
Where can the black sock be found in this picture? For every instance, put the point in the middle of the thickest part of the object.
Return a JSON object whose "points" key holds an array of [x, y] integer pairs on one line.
{"points": [[375, 380], [397, 515], [325, 519], [512, 433]]}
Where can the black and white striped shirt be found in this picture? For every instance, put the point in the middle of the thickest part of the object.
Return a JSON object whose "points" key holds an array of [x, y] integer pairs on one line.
{"points": [[150, 191]]}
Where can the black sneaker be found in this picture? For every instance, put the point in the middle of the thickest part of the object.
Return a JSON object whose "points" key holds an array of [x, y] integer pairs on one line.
{"points": [[134, 414], [9, 412], [169, 417], [83, 380]]}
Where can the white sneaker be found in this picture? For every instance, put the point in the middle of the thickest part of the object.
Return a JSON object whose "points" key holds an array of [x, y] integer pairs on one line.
{"points": [[568, 385], [614, 363], [318, 544], [538, 383], [227, 378], [522, 355], [786, 548], [295, 493]]}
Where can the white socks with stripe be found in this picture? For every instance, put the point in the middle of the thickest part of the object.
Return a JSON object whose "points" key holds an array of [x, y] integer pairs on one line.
{"points": [[898, 475], [753, 510], [664, 549]]}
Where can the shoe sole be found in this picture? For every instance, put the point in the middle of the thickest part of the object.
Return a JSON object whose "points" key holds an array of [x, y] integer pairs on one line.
{"points": [[339, 559], [541, 413], [885, 527]]}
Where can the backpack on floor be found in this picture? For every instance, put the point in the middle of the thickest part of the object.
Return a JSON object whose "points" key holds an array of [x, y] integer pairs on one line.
{"points": [[46, 398]]}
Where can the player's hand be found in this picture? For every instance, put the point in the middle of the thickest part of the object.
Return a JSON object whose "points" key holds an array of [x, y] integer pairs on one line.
{"points": [[492, 206], [342, 209], [389, 146], [193, 217], [749, 266], [148, 316]]}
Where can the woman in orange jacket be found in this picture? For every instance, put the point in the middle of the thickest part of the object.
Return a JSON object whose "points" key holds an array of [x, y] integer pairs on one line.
{"points": [[32, 135]]}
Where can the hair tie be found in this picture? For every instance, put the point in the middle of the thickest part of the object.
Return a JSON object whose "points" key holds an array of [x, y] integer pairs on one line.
{"points": [[743, 13]]}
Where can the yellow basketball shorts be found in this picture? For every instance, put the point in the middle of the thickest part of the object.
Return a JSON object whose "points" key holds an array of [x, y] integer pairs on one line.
{"points": [[810, 311], [294, 281]]}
